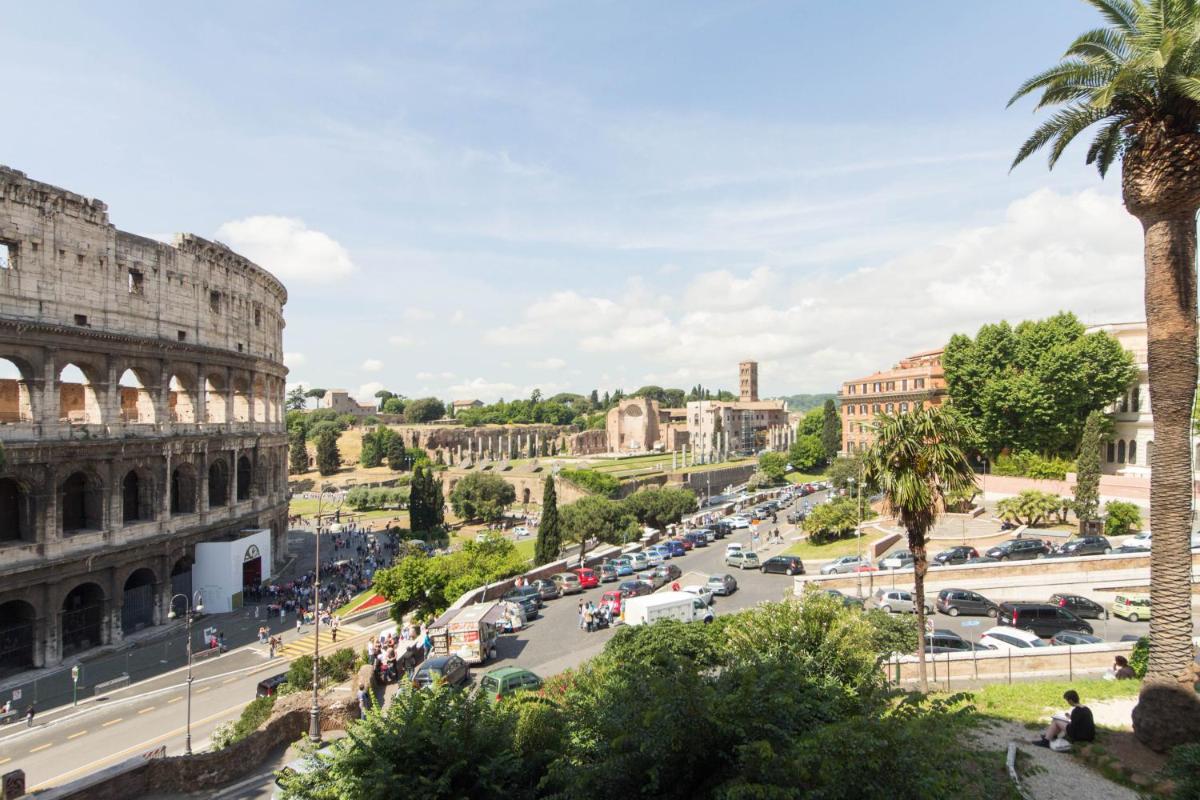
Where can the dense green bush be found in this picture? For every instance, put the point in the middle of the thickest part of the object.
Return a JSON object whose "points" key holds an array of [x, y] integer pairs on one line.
{"points": [[1032, 465], [253, 715], [828, 522], [1121, 517], [589, 480], [362, 498], [1034, 508], [1139, 659], [1184, 770]]}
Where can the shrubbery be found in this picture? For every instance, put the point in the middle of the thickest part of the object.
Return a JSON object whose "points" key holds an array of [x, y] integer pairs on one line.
{"points": [[828, 522], [1120, 517], [1034, 508], [335, 668], [591, 481], [362, 498], [1032, 465], [253, 715]]}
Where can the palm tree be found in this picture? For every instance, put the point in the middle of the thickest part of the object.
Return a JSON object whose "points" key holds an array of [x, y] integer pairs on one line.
{"points": [[1139, 79], [917, 461]]}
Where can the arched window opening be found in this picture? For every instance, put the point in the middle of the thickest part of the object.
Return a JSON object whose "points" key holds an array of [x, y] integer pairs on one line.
{"points": [[1133, 451], [136, 403], [77, 401], [183, 490], [214, 399], [1123, 403], [181, 584], [82, 504], [82, 619], [1121, 451], [180, 400], [17, 636], [15, 403], [1136, 404], [137, 602], [16, 512], [1112, 453], [244, 477], [137, 497], [259, 401], [218, 483], [241, 401]]}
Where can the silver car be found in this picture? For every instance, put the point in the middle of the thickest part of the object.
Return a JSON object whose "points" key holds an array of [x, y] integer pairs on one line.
{"points": [[840, 566], [895, 601]]}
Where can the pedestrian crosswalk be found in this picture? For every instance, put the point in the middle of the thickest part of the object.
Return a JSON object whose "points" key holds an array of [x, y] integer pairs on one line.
{"points": [[304, 645]]}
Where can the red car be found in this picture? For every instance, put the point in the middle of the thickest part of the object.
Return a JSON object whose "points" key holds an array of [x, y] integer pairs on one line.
{"points": [[587, 577], [613, 597], [866, 568], [687, 544]]}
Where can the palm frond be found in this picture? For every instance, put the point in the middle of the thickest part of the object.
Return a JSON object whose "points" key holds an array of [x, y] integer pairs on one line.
{"points": [[1066, 70], [1106, 145], [1064, 126], [1186, 85], [1105, 45], [1121, 14]]}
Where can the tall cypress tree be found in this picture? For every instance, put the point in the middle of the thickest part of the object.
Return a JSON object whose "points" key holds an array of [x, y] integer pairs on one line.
{"points": [[549, 536], [831, 431], [328, 458], [371, 455], [397, 456], [1087, 468], [297, 450], [437, 501]]}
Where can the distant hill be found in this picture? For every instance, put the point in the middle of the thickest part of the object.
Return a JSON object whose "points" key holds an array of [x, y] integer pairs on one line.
{"points": [[803, 402]]}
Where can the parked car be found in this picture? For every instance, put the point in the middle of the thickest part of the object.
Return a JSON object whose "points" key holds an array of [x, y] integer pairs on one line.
{"points": [[501, 682], [788, 565], [723, 585], [451, 669], [721, 529], [1043, 619], [587, 577], [1133, 607], [521, 532], [898, 559], [547, 589], [670, 572], [623, 565], [843, 565], [608, 573], [705, 593], [613, 597], [982, 560], [653, 577], [639, 561], [964, 601], [635, 588], [662, 550], [796, 517], [677, 549], [732, 547], [1140, 540], [1079, 606], [1000, 638], [1075, 637], [847, 600], [946, 642], [956, 555], [1015, 549], [685, 543], [896, 601], [653, 557], [696, 538], [529, 598], [738, 522], [568, 582], [1087, 546], [743, 559]]}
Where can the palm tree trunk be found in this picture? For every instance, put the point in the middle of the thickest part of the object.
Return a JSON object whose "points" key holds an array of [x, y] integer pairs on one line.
{"points": [[1170, 254], [916, 544]]}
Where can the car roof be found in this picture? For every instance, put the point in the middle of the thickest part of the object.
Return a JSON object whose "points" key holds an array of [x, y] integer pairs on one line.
{"points": [[435, 661], [504, 672]]}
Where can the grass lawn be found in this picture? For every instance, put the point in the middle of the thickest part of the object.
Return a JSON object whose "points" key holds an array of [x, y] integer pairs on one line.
{"points": [[842, 547], [525, 548], [1033, 702], [803, 477], [309, 509], [358, 598]]}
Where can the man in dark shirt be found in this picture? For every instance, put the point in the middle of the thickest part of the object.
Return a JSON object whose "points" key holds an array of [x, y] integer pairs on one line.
{"points": [[1077, 726]]}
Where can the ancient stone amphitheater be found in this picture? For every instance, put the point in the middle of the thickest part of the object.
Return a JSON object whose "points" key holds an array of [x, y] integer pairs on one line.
{"points": [[141, 414]]}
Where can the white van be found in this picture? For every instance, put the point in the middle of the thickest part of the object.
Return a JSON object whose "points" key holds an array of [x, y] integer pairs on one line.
{"points": [[682, 606], [733, 547]]}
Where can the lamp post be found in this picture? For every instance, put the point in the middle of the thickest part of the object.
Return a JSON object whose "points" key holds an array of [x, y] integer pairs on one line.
{"points": [[856, 486], [314, 714], [195, 604]]}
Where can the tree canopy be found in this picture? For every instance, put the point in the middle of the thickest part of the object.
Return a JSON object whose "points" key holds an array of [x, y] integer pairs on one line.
{"points": [[773, 466], [424, 409], [549, 534], [1031, 387], [599, 519], [482, 495], [660, 507]]}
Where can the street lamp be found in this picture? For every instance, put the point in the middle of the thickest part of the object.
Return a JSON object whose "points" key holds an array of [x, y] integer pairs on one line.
{"points": [[314, 714], [856, 486], [195, 604]]}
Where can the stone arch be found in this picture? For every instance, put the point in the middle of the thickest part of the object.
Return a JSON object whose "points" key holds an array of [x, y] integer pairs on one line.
{"points": [[181, 582], [181, 398], [81, 621], [81, 502], [1120, 451], [1132, 452], [137, 601], [16, 512], [258, 400], [525, 496], [218, 482], [245, 477], [136, 402], [241, 400], [18, 636], [16, 399], [137, 496], [183, 489], [77, 399], [215, 409]]}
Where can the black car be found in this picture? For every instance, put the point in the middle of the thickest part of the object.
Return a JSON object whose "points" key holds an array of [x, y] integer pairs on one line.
{"points": [[635, 588], [1079, 606], [1015, 549], [721, 529], [1087, 546], [956, 555], [1041, 618], [946, 642], [788, 565], [669, 572], [517, 593], [964, 601], [1075, 637], [451, 669], [528, 600]]}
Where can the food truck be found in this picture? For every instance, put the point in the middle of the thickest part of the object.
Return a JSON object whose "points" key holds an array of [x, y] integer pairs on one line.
{"points": [[469, 633]]}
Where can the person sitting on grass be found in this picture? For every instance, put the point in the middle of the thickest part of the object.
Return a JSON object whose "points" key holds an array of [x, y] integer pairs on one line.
{"points": [[1076, 725]]}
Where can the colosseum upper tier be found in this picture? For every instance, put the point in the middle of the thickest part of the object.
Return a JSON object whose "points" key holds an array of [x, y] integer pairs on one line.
{"points": [[142, 414]]}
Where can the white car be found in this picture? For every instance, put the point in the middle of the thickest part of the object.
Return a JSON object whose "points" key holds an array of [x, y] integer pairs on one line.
{"points": [[654, 557], [1003, 637], [703, 592], [1142, 540], [521, 532], [733, 547], [738, 522]]}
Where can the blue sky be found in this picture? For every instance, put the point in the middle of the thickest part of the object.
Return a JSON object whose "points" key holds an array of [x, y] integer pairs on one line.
{"points": [[479, 199]]}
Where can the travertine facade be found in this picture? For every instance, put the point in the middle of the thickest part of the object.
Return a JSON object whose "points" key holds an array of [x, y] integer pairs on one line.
{"points": [[143, 413]]}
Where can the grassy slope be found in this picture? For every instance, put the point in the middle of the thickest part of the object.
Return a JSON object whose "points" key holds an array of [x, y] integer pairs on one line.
{"points": [[1033, 702]]}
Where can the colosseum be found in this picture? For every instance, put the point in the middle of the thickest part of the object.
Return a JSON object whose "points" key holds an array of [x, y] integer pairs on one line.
{"points": [[141, 417]]}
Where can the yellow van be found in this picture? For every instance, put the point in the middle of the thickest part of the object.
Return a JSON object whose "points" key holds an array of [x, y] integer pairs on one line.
{"points": [[1133, 607]]}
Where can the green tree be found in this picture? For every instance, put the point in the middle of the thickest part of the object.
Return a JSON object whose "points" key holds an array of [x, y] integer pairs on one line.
{"points": [[806, 453], [297, 450], [659, 507], [483, 496], [393, 446], [437, 504], [828, 522], [773, 466], [1120, 518], [424, 409], [1031, 387], [844, 472], [831, 431], [315, 393], [392, 405], [812, 423], [371, 454], [918, 459], [599, 519], [1030, 507], [1087, 468], [420, 514], [328, 458], [295, 399], [549, 535]]}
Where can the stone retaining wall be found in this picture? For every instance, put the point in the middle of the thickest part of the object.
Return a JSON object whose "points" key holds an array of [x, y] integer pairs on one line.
{"points": [[992, 666]]}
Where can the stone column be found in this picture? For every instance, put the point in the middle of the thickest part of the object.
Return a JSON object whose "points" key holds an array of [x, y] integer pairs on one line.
{"points": [[48, 406], [109, 400], [674, 465], [200, 396]]}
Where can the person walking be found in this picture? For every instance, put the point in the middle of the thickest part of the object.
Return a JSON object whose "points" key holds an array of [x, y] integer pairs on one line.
{"points": [[29, 712]]}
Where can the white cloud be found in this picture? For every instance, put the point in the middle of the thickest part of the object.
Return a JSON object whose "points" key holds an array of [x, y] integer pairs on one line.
{"points": [[366, 392], [482, 389], [418, 314], [400, 341], [372, 365], [289, 249], [548, 364], [294, 360]]}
